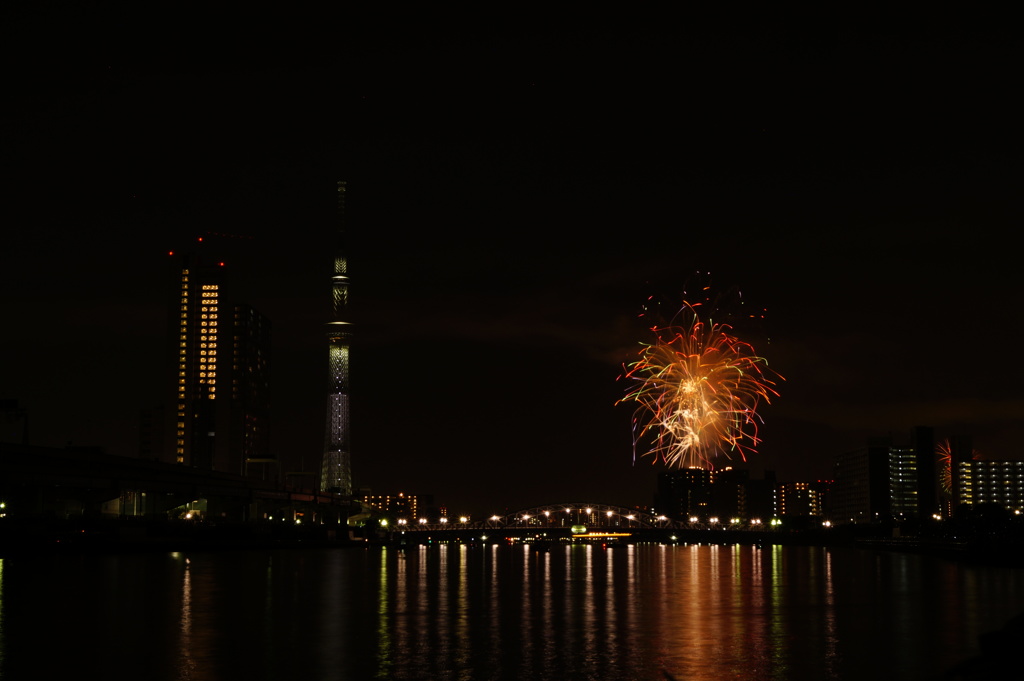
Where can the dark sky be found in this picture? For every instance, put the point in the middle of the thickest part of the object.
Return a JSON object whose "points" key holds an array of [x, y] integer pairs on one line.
{"points": [[517, 188]]}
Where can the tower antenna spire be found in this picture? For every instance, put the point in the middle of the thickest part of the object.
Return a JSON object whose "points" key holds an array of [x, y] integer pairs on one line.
{"points": [[336, 466]]}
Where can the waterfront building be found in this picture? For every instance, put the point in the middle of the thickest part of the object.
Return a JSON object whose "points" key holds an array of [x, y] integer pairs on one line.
{"points": [[684, 493], [402, 506], [903, 484], [801, 499], [992, 482], [861, 488], [729, 494], [888, 479]]}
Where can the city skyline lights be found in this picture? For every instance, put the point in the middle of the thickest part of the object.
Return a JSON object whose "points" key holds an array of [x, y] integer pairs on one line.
{"points": [[513, 202]]}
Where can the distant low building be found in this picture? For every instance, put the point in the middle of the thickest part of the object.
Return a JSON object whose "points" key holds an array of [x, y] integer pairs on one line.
{"points": [[400, 505], [803, 499]]}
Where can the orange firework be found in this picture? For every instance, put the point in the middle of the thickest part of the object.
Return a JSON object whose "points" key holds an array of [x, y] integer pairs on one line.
{"points": [[697, 388]]}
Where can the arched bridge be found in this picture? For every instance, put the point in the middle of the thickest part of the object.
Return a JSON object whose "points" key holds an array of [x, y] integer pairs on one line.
{"points": [[549, 517]]}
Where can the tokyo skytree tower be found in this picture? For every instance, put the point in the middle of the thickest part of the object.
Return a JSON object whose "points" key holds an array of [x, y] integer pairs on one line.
{"points": [[336, 467]]}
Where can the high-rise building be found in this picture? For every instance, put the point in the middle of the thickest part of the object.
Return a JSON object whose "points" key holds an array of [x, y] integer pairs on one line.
{"points": [[200, 339], [888, 479], [249, 436], [336, 465], [903, 482], [219, 407], [861, 489]]}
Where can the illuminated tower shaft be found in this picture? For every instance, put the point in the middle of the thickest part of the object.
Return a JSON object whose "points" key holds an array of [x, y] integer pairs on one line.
{"points": [[336, 468]]}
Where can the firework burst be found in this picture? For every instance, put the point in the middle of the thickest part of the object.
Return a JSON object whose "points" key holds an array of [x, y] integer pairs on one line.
{"points": [[944, 454], [697, 389]]}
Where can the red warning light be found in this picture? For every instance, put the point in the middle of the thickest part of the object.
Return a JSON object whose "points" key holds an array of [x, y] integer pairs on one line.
{"points": [[170, 252], [222, 264]]}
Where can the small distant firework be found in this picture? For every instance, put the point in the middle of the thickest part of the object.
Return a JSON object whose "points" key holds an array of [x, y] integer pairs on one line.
{"points": [[944, 454], [697, 388]]}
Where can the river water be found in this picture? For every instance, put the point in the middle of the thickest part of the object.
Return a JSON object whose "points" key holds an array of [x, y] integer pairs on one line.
{"points": [[687, 612]]}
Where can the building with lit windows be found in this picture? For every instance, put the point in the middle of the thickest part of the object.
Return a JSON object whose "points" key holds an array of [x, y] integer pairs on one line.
{"points": [[217, 415], [199, 343], [800, 499], [992, 482], [887, 479], [401, 505], [903, 486]]}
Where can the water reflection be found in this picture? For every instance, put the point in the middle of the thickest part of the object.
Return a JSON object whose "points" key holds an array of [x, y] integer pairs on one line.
{"points": [[494, 612], [186, 664], [2, 642]]}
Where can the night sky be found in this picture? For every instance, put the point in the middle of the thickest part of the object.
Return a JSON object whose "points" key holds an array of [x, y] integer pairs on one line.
{"points": [[518, 187]]}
